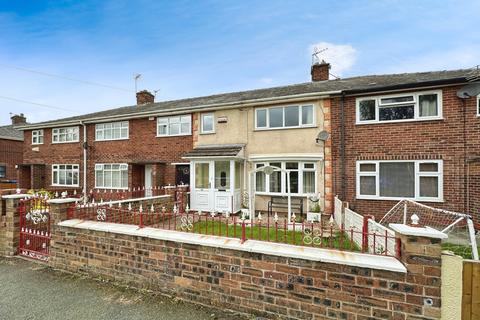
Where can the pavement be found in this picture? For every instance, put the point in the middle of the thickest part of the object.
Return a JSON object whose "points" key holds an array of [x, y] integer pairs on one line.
{"points": [[32, 291]]}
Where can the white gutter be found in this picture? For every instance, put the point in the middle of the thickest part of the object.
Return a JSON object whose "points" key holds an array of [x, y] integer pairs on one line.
{"points": [[206, 107]]}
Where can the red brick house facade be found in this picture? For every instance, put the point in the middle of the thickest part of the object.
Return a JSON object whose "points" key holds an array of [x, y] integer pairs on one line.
{"points": [[450, 141], [139, 150], [11, 144]]}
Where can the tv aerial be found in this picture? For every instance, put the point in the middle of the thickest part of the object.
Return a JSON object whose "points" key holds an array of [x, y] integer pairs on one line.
{"points": [[315, 54], [136, 76]]}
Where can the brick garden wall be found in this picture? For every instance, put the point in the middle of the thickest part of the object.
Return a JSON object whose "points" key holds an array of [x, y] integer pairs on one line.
{"points": [[253, 283], [142, 147], [436, 139]]}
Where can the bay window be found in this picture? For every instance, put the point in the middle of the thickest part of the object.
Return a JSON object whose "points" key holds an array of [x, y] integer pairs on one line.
{"points": [[111, 176], [400, 107], [65, 175], [284, 117], [303, 178], [420, 180]]}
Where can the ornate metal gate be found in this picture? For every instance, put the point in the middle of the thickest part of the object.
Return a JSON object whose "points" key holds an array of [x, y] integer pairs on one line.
{"points": [[35, 228]]}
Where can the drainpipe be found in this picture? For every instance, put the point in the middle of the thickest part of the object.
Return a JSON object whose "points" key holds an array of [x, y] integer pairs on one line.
{"points": [[85, 146], [342, 148]]}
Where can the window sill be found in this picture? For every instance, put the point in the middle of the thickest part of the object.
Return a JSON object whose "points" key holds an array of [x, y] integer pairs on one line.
{"points": [[106, 140], [65, 186], [37, 144], [63, 142], [398, 121], [399, 199], [113, 189], [285, 128], [207, 133], [174, 135]]}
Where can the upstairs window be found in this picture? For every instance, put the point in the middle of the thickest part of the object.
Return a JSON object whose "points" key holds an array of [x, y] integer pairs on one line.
{"points": [[37, 136], [478, 105], [207, 123], [111, 131], [65, 135], [284, 117], [401, 107], [174, 126], [3, 171]]}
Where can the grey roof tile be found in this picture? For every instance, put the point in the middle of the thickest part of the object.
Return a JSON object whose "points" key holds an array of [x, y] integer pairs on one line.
{"points": [[10, 133], [371, 83]]}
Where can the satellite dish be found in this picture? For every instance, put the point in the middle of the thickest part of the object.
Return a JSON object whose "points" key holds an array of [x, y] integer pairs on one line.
{"points": [[322, 136], [470, 90]]}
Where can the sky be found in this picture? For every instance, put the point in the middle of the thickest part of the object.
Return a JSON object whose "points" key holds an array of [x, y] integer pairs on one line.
{"points": [[64, 58]]}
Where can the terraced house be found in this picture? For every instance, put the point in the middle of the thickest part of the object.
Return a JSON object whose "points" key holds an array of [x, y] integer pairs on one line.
{"points": [[372, 140]]}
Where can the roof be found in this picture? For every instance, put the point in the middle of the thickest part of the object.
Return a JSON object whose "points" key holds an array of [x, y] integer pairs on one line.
{"points": [[219, 151], [328, 87], [10, 133]]}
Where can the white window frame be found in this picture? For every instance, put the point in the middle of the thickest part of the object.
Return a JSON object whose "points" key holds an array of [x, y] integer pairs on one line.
{"points": [[101, 166], [416, 116], [56, 133], [4, 171], [37, 134], [283, 190], [418, 174], [168, 122], [57, 167], [283, 127], [100, 127], [478, 105], [202, 130]]}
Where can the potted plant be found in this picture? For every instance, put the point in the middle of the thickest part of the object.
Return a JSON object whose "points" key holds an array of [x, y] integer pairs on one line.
{"points": [[314, 212]]}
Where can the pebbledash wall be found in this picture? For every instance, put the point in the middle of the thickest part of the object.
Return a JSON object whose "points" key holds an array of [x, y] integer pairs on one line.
{"points": [[264, 279], [142, 147], [452, 139]]}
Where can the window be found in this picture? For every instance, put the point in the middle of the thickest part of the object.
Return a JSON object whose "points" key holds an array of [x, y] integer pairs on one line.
{"points": [[420, 180], [208, 123], [65, 135], [303, 178], [174, 126], [3, 171], [478, 105], [222, 175], [111, 131], [284, 117], [65, 175], [402, 107], [111, 176], [202, 175], [37, 137]]}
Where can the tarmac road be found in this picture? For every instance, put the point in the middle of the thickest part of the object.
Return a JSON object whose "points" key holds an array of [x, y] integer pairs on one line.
{"points": [[31, 291]]}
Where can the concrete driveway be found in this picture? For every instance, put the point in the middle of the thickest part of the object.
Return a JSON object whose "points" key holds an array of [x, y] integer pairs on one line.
{"points": [[31, 291]]}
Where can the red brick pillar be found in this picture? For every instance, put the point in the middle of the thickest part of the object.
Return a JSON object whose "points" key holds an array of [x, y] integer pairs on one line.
{"points": [[421, 253], [58, 212], [11, 227], [170, 191]]}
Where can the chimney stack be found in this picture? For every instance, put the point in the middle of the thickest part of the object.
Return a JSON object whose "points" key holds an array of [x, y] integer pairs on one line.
{"points": [[144, 97], [18, 119], [320, 71]]}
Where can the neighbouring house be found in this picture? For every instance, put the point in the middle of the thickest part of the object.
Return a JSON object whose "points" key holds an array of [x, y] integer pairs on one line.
{"points": [[11, 153], [371, 139], [414, 136]]}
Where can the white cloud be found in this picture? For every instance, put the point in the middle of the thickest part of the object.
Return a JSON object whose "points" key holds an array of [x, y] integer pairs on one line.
{"points": [[266, 80], [340, 56]]}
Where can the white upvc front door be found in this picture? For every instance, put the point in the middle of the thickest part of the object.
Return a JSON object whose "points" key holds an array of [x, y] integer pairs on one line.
{"points": [[212, 185], [148, 180], [202, 183]]}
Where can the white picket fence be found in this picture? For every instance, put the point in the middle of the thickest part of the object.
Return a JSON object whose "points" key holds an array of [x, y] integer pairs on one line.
{"points": [[381, 240]]}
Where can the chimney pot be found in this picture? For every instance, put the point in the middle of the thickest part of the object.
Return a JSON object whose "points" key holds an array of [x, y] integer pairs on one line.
{"points": [[144, 97], [320, 71], [18, 119]]}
